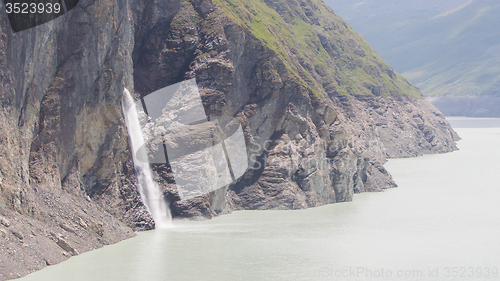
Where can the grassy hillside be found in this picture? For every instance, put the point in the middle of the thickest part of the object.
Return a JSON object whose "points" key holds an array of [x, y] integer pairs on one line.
{"points": [[318, 48], [443, 52]]}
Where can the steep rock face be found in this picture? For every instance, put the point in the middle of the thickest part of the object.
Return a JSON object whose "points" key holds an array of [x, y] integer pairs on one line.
{"points": [[320, 113], [315, 134], [61, 135]]}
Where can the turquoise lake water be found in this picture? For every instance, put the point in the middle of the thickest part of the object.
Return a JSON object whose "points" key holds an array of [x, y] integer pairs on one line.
{"points": [[441, 223]]}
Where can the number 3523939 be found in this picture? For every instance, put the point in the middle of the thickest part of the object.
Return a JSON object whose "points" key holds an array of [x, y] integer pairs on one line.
{"points": [[25, 14], [33, 8]]}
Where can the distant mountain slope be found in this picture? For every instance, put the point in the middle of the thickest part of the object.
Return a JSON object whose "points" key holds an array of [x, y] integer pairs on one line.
{"points": [[445, 47], [358, 9]]}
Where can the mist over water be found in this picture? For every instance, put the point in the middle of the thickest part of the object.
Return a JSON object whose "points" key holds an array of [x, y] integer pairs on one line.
{"points": [[443, 218], [149, 190]]}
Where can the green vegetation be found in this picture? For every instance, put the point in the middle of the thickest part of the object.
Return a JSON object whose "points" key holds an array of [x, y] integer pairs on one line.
{"points": [[318, 48]]}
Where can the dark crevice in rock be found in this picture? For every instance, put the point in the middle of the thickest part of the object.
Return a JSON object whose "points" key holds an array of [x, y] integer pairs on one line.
{"points": [[255, 172]]}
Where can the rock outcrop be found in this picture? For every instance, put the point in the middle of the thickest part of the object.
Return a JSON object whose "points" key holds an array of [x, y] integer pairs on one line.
{"points": [[320, 111]]}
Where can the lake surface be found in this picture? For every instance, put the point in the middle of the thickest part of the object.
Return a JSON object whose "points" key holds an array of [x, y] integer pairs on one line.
{"points": [[441, 223]]}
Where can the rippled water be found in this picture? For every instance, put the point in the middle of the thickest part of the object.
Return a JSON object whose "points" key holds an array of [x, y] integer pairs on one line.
{"points": [[442, 221]]}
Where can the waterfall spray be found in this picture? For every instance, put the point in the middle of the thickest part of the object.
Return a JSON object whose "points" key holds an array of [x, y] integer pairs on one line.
{"points": [[150, 193]]}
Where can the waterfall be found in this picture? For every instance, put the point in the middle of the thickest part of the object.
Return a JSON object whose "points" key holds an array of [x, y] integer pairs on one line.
{"points": [[148, 188]]}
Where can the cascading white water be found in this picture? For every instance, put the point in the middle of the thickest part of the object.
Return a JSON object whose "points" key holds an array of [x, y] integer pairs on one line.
{"points": [[150, 193]]}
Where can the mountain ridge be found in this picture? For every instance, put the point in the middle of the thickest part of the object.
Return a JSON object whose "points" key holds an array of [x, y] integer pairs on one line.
{"points": [[450, 53], [310, 31]]}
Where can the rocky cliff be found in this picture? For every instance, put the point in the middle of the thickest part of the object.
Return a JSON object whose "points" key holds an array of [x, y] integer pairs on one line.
{"points": [[320, 111]]}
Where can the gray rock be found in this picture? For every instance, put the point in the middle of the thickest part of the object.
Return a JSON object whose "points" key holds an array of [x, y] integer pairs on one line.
{"points": [[17, 233], [67, 227], [4, 222], [65, 246], [82, 223], [3, 233]]}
